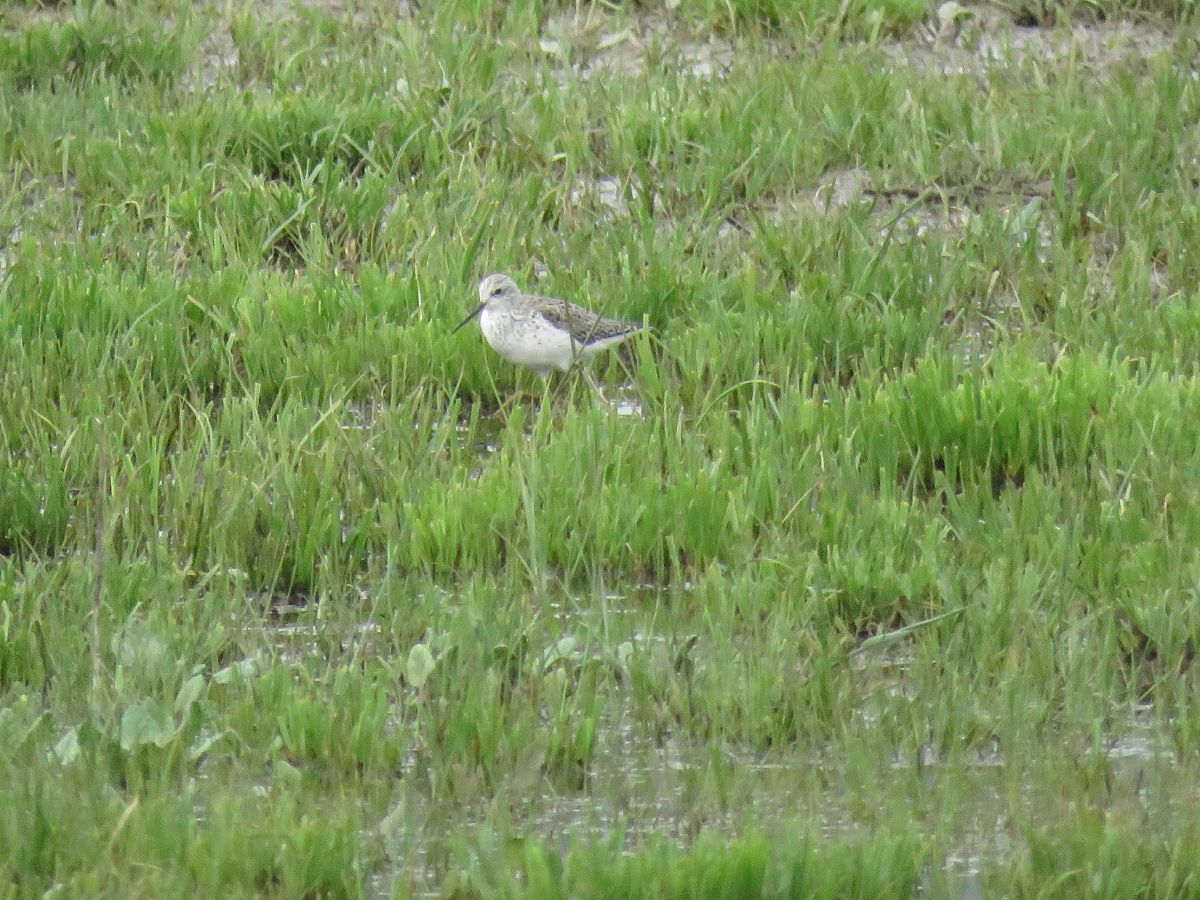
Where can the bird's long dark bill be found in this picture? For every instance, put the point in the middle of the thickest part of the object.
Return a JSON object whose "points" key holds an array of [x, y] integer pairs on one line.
{"points": [[478, 310]]}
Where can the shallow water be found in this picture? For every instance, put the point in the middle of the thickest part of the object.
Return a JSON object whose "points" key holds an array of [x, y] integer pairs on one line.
{"points": [[637, 787], [971, 806]]}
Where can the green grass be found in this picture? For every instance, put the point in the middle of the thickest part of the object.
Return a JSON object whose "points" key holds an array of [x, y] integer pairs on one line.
{"points": [[302, 595]]}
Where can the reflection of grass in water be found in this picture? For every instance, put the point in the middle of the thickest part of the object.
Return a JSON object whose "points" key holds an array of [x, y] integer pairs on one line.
{"points": [[515, 635]]}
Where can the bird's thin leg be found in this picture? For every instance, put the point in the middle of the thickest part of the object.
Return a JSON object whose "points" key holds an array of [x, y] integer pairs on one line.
{"points": [[549, 388], [560, 385], [577, 364], [587, 374]]}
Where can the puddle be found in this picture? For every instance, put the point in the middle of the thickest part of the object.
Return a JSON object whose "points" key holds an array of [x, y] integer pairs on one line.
{"points": [[298, 633], [370, 419], [640, 787], [362, 416], [631, 406], [484, 439], [969, 805], [296, 643], [625, 402]]}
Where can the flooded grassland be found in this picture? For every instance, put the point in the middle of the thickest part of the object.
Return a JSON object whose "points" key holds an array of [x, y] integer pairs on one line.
{"points": [[868, 570]]}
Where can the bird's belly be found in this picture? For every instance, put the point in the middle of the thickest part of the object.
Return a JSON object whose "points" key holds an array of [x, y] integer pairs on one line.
{"points": [[528, 341]]}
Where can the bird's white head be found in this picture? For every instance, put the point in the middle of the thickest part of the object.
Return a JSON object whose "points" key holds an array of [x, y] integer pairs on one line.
{"points": [[497, 287], [493, 289]]}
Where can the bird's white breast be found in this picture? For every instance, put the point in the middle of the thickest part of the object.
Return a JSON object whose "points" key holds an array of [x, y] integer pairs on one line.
{"points": [[527, 340]]}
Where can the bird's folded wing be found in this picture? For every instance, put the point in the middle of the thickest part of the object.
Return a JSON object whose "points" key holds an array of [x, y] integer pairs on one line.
{"points": [[584, 326]]}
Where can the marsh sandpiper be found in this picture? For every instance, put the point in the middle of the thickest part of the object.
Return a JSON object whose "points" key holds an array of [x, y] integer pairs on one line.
{"points": [[541, 332]]}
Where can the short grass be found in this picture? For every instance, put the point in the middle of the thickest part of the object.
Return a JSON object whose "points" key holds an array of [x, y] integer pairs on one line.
{"points": [[887, 585]]}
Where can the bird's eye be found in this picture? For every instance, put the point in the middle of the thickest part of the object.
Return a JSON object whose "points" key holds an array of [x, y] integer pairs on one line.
{"points": [[496, 292]]}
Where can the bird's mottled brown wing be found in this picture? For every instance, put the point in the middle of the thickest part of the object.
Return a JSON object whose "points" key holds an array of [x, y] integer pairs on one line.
{"points": [[585, 326]]}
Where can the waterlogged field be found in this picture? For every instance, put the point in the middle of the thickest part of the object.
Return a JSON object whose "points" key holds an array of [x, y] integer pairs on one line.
{"points": [[872, 573]]}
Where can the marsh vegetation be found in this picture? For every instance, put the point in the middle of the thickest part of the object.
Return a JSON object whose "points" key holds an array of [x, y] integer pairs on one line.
{"points": [[879, 579]]}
